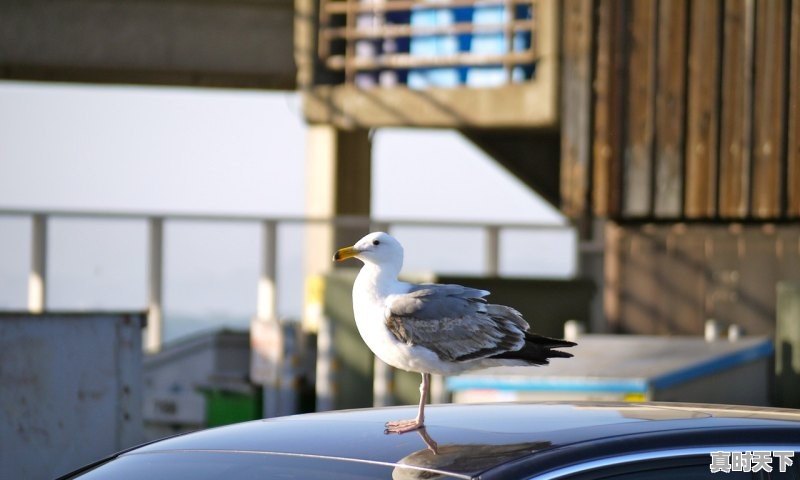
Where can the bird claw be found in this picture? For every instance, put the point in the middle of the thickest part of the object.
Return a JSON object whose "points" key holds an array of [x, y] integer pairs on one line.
{"points": [[403, 426]]}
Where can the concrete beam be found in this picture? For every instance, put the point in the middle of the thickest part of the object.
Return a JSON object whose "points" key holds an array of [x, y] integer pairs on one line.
{"points": [[237, 43]]}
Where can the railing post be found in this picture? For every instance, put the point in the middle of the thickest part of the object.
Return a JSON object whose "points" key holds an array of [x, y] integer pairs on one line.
{"points": [[267, 307], [37, 279], [438, 389], [155, 275], [383, 376], [325, 384], [492, 251], [267, 320]]}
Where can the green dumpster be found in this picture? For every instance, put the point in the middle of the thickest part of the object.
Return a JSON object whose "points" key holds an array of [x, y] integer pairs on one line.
{"points": [[226, 404]]}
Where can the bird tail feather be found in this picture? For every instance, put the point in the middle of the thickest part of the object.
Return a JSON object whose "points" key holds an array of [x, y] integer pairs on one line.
{"points": [[538, 349]]}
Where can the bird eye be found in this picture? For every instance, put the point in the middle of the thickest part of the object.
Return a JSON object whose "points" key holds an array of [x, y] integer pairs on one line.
{"points": [[376, 242]]}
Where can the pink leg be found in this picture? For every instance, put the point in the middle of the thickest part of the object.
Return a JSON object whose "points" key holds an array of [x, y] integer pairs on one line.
{"points": [[403, 426]]}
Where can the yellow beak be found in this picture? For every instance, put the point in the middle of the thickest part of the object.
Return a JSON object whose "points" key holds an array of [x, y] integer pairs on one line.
{"points": [[344, 253]]}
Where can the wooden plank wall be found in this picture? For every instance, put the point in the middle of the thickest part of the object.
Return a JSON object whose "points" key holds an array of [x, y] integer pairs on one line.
{"points": [[668, 279], [793, 155], [694, 110], [576, 97]]}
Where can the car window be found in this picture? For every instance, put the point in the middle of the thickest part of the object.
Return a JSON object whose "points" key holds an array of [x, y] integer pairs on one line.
{"points": [[240, 466]]}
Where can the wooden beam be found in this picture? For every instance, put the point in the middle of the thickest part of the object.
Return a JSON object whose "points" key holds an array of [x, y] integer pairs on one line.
{"points": [[406, 30], [670, 136], [342, 7], [608, 86], [769, 104], [406, 60], [576, 107], [737, 92], [703, 110], [524, 105], [637, 189], [237, 43], [793, 157]]}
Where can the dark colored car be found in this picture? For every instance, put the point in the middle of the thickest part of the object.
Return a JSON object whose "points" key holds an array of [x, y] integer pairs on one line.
{"points": [[538, 441]]}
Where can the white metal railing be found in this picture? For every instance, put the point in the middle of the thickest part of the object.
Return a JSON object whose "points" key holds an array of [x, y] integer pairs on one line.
{"points": [[267, 283]]}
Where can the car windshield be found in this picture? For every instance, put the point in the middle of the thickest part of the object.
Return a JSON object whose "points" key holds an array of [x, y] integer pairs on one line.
{"points": [[203, 465]]}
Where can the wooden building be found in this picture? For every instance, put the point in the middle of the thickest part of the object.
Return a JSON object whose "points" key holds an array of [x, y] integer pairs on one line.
{"points": [[684, 134], [669, 129]]}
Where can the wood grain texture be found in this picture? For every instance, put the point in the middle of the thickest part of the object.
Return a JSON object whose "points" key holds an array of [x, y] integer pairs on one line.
{"points": [[603, 153], [793, 154], [670, 135], [769, 107], [703, 109], [640, 131], [735, 144], [576, 107]]}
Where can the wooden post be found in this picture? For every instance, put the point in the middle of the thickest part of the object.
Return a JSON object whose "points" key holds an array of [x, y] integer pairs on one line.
{"points": [[155, 275], [576, 122], [37, 279], [736, 122], [641, 100], [770, 99], [793, 154], [670, 111], [703, 109]]}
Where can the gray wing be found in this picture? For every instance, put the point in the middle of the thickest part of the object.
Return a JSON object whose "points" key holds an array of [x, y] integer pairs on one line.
{"points": [[455, 322]]}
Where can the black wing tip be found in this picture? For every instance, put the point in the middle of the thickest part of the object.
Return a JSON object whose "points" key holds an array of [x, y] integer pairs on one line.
{"points": [[538, 350], [548, 342], [558, 354]]}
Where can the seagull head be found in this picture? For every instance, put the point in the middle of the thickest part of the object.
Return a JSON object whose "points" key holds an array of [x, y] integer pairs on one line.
{"points": [[377, 248]]}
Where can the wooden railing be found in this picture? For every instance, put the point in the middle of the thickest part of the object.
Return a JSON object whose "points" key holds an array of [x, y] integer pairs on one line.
{"points": [[349, 28]]}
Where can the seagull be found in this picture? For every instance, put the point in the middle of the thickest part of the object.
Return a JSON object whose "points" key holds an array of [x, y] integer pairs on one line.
{"points": [[432, 328]]}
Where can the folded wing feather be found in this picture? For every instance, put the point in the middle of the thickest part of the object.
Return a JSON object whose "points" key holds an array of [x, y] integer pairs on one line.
{"points": [[455, 322]]}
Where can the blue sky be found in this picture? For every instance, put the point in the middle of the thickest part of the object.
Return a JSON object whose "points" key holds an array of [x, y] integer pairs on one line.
{"points": [[124, 148]]}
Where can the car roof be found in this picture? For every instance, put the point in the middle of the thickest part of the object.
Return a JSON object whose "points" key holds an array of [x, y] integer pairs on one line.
{"points": [[468, 440]]}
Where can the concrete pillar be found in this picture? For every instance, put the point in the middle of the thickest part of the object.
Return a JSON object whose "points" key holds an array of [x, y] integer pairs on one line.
{"points": [[338, 182]]}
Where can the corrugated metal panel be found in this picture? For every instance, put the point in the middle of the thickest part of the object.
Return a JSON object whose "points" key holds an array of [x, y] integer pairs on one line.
{"points": [[71, 390]]}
